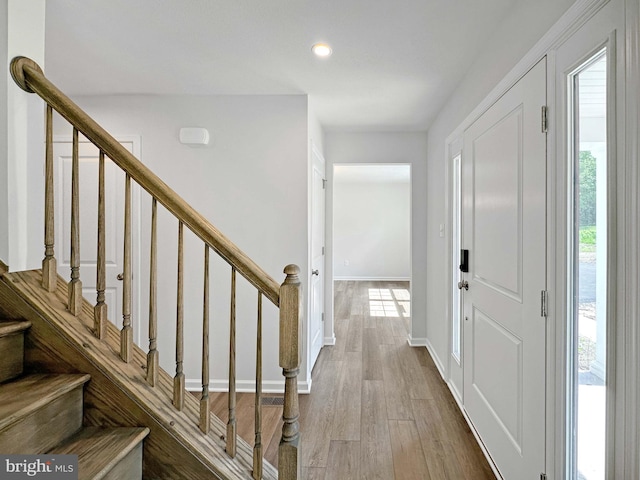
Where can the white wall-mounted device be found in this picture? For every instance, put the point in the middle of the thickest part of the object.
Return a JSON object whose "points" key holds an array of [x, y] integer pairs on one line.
{"points": [[194, 136]]}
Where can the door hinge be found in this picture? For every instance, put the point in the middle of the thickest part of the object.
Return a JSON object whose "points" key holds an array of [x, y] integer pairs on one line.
{"points": [[544, 300], [543, 476], [324, 183], [323, 316], [322, 250], [545, 120]]}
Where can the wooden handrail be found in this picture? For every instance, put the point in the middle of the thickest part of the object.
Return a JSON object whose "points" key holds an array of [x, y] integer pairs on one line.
{"points": [[29, 76], [286, 297]]}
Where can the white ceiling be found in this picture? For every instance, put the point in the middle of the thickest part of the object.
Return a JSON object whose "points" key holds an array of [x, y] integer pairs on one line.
{"points": [[394, 62]]}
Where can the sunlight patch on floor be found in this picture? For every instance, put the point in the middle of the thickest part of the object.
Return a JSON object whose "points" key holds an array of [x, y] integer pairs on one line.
{"points": [[385, 302]]}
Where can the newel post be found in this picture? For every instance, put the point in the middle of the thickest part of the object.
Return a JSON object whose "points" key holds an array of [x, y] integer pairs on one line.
{"points": [[290, 328]]}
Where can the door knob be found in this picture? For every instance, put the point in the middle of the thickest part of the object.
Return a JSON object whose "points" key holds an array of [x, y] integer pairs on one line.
{"points": [[120, 276], [315, 272], [463, 284]]}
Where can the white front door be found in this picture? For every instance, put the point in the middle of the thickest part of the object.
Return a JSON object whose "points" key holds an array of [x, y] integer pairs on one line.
{"points": [[504, 218], [114, 223], [316, 322]]}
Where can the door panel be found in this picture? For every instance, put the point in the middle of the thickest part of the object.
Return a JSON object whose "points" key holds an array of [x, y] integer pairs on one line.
{"points": [[502, 393], [504, 185], [497, 212]]}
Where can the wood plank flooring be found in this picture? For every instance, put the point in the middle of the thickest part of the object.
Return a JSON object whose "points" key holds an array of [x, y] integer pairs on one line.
{"points": [[378, 408]]}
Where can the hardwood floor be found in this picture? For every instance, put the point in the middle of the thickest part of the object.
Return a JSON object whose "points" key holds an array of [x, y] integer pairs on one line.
{"points": [[378, 408]]}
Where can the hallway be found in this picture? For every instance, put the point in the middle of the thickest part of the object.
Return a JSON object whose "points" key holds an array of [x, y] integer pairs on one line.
{"points": [[379, 408]]}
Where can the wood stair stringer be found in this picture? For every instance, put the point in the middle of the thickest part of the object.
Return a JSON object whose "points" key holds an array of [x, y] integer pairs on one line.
{"points": [[118, 393]]}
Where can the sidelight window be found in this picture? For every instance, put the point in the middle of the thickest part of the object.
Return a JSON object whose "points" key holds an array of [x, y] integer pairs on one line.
{"points": [[588, 270]]}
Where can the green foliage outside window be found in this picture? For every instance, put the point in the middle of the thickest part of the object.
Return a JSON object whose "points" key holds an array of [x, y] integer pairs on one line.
{"points": [[587, 190], [588, 235]]}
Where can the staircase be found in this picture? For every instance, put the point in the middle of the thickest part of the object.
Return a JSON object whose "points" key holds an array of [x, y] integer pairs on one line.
{"points": [[75, 383], [42, 413]]}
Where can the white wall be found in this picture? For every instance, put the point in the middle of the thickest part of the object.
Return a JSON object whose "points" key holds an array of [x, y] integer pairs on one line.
{"points": [[21, 138], [522, 28], [250, 182], [387, 148], [371, 230]]}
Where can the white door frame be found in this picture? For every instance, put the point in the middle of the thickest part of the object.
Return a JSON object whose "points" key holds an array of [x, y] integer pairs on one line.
{"points": [[590, 41], [628, 169]]}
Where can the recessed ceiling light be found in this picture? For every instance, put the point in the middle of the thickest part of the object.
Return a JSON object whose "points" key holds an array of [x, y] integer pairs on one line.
{"points": [[321, 49]]}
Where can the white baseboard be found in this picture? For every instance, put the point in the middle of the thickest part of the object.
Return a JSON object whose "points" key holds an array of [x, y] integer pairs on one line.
{"points": [[373, 279], [329, 341], [456, 394], [416, 342], [245, 386], [303, 386], [436, 359]]}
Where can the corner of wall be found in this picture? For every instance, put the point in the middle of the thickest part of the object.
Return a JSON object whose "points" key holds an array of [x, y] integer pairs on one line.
{"points": [[4, 157]]}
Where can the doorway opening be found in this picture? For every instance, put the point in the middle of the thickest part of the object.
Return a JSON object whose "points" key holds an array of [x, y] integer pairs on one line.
{"points": [[372, 235]]}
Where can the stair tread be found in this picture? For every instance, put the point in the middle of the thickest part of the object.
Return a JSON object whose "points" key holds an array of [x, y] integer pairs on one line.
{"points": [[27, 394], [100, 449], [9, 327]]}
